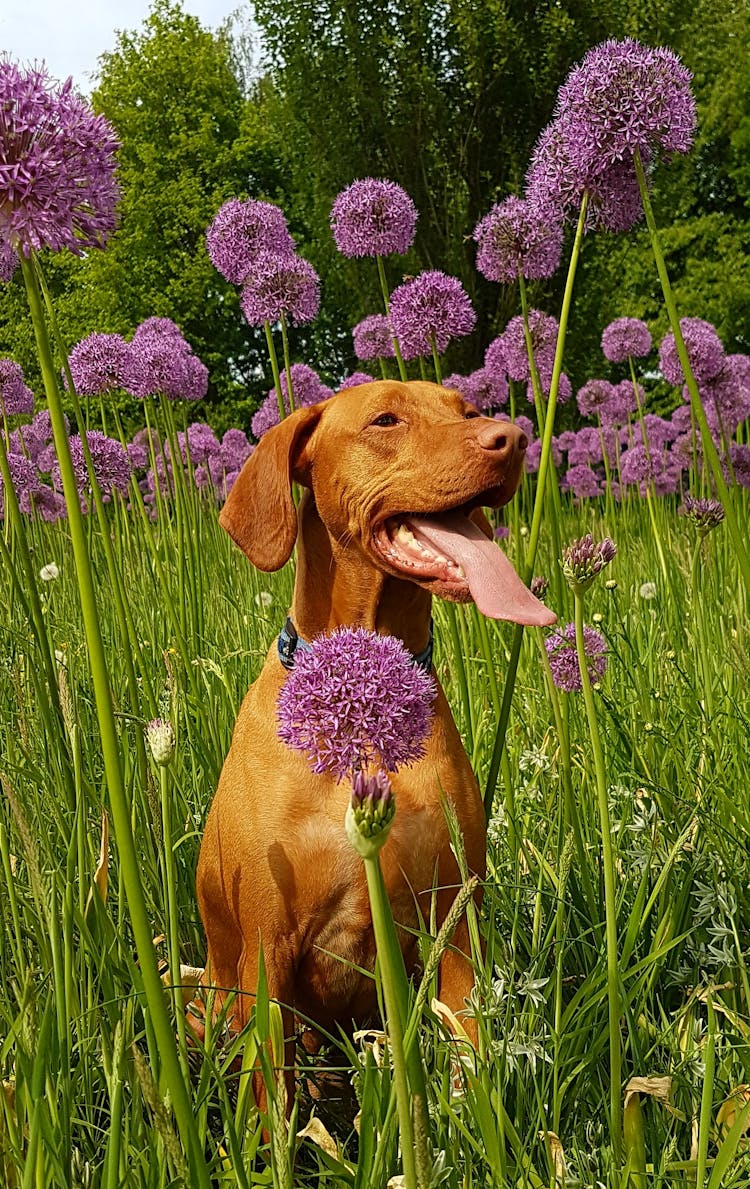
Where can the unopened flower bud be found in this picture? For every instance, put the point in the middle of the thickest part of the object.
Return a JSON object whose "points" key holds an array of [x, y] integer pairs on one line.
{"points": [[705, 514], [161, 740], [370, 813], [583, 559], [539, 586]]}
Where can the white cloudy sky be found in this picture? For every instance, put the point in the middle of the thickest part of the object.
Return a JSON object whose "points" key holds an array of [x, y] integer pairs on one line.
{"points": [[69, 35]]}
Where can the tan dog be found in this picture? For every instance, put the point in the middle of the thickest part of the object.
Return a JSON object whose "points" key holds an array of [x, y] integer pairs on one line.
{"points": [[395, 477]]}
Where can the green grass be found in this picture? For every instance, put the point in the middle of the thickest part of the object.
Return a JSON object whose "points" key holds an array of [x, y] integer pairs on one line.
{"points": [[82, 1104]]}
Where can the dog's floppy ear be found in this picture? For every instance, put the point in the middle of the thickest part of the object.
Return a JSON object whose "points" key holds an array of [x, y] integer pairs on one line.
{"points": [[259, 513]]}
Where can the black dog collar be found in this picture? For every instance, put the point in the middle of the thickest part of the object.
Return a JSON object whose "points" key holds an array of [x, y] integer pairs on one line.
{"points": [[289, 642]]}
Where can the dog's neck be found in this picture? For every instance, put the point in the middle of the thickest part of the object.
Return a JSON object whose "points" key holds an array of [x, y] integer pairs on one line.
{"points": [[337, 585]]}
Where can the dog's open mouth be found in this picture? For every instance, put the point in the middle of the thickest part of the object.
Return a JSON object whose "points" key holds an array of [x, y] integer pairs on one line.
{"points": [[449, 550]]}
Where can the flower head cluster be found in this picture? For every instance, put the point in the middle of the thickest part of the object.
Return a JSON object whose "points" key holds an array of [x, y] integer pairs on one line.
{"points": [[563, 657], [15, 395], [373, 338], [623, 98], [705, 514], [240, 231], [25, 480], [355, 379], [543, 330], [57, 164], [307, 389], [109, 459], [584, 558], [626, 338], [518, 236], [161, 362], [356, 699], [279, 286], [373, 217], [99, 363], [704, 349], [595, 398], [428, 312], [485, 388]]}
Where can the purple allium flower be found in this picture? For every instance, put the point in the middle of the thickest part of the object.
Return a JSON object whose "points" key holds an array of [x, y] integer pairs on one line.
{"points": [[57, 164], [455, 381], [430, 309], [196, 379], [26, 482], [98, 363], [501, 533], [519, 236], [704, 348], [584, 558], [373, 338], [485, 388], [595, 397], [494, 357], [307, 389], [525, 424], [355, 699], [586, 448], [534, 455], [16, 397], [705, 514], [373, 217], [740, 458], [49, 504], [626, 338], [582, 481], [8, 261], [637, 465], [728, 394], [160, 361], [563, 657], [539, 586], [370, 813], [280, 285], [110, 461], [543, 329], [240, 231], [624, 401], [564, 387], [235, 449], [201, 442], [355, 379], [157, 326]]}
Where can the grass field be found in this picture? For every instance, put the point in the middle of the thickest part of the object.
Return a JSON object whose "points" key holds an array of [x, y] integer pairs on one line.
{"points": [[78, 1051]]}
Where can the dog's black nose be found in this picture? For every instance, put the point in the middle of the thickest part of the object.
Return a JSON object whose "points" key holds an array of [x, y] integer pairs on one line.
{"points": [[502, 438]]}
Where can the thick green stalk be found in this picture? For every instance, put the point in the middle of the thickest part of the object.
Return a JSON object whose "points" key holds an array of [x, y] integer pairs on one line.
{"points": [[610, 900], [536, 519], [436, 361], [287, 363], [275, 368], [129, 863], [387, 304], [709, 449], [393, 978]]}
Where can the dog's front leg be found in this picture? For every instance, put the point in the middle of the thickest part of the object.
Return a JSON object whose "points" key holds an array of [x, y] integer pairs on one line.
{"points": [[456, 978], [279, 980]]}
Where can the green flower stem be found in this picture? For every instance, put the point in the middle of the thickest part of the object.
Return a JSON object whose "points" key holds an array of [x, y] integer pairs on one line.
{"points": [[703, 637], [173, 924], [393, 977], [275, 368], [610, 902], [383, 368], [536, 520], [287, 362], [650, 486], [709, 449], [387, 304], [436, 360], [129, 864], [704, 1124]]}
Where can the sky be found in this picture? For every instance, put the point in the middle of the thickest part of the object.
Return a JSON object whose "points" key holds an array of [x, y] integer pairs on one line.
{"points": [[69, 35]]}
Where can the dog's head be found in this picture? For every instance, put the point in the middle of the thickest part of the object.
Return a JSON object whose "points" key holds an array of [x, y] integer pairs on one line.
{"points": [[399, 471]]}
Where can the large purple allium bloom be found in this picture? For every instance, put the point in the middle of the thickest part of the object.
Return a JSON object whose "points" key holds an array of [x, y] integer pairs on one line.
{"points": [[8, 261], [373, 217], [98, 363], [235, 449], [429, 311], [57, 164], [494, 357], [356, 699], [485, 388], [26, 482], [16, 397], [157, 326], [373, 338], [740, 458], [563, 657], [595, 398], [109, 459], [160, 362], [240, 231], [582, 481], [704, 349], [728, 394], [624, 401], [519, 236], [355, 379], [280, 285], [564, 386], [543, 330], [626, 338]]}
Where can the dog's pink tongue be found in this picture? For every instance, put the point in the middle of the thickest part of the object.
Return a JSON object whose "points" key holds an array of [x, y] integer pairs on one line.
{"points": [[495, 586]]}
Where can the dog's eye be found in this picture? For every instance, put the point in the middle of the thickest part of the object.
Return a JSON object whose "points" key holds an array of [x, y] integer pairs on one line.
{"points": [[471, 413], [385, 419]]}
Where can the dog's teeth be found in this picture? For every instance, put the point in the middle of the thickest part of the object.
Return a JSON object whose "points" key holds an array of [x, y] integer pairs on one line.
{"points": [[460, 571], [404, 534]]}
